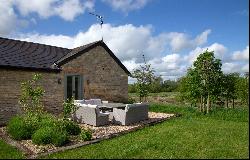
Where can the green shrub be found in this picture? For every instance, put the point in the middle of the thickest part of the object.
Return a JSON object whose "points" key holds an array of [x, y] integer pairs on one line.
{"points": [[86, 135], [19, 128], [47, 120], [71, 127], [60, 138], [43, 135], [47, 135]]}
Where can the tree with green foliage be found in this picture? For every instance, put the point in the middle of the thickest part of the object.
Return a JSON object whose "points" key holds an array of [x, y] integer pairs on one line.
{"points": [[190, 88], [31, 94], [242, 89], [156, 85], [203, 80], [144, 76], [209, 71], [131, 88], [229, 84]]}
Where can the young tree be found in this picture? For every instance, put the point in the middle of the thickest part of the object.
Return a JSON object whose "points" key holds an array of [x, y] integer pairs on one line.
{"points": [[144, 76], [203, 81], [31, 94], [243, 90], [229, 82], [209, 71]]}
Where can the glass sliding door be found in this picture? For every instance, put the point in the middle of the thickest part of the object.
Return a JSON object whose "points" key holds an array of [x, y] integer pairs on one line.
{"points": [[73, 87]]}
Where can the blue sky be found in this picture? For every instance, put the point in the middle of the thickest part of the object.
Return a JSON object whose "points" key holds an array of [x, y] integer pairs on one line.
{"points": [[171, 33]]}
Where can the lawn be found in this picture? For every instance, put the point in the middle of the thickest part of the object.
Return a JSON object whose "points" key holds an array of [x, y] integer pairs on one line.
{"points": [[222, 134], [9, 152]]}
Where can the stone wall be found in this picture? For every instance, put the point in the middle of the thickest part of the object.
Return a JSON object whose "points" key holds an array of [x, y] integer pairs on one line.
{"points": [[10, 91], [103, 78]]}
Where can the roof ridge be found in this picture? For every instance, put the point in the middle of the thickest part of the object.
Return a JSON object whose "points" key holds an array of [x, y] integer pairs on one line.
{"points": [[88, 44], [32, 42]]}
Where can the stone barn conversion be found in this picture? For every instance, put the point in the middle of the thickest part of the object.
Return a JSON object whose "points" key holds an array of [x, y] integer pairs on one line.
{"points": [[88, 71]]}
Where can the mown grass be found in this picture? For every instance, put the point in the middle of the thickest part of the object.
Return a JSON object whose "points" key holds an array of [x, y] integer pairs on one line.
{"points": [[221, 134], [9, 152]]}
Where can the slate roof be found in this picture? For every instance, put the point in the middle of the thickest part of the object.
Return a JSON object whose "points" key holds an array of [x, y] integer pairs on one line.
{"points": [[28, 55]]}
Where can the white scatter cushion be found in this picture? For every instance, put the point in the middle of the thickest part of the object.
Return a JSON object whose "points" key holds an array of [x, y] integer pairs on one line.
{"points": [[83, 105], [105, 101], [92, 106]]}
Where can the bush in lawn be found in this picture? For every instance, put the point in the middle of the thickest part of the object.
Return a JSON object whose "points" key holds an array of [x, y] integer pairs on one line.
{"points": [[22, 127], [47, 135], [71, 127], [86, 135]]}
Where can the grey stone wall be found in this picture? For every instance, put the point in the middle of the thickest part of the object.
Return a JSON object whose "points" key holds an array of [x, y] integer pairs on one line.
{"points": [[10, 91], [103, 77]]}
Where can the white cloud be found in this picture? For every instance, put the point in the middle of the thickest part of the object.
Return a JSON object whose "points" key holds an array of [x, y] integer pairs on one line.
{"points": [[67, 9], [230, 67], [219, 52], [126, 5], [245, 68], [126, 41], [241, 55], [16, 14], [8, 18], [180, 41]]}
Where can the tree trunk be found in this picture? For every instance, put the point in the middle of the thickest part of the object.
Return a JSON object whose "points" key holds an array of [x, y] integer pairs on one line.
{"points": [[227, 103], [203, 105], [200, 108], [233, 102], [208, 103]]}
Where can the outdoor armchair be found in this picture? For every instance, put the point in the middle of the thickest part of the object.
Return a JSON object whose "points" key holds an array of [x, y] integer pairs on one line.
{"points": [[132, 113], [90, 114]]}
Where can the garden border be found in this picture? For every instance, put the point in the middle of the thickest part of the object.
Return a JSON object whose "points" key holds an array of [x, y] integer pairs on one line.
{"points": [[31, 155]]}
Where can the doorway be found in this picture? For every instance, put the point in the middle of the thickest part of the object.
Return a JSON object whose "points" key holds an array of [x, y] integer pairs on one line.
{"points": [[73, 87]]}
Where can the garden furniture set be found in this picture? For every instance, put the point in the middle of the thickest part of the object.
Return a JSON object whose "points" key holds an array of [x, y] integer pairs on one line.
{"points": [[98, 113]]}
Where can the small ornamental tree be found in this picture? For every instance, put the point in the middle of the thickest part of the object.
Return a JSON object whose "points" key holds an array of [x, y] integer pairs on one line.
{"points": [[69, 108], [31, 94], [144, 76]]}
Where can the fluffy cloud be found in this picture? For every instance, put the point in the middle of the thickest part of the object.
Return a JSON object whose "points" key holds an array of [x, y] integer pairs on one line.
{"points": [[219, 51], [241, 55], [180, 41], [7, 18], [66, 9], [126, 41], [126, 5]]}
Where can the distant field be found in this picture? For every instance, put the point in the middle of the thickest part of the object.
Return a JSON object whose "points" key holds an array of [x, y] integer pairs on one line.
{"points": [[162, 97]]}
